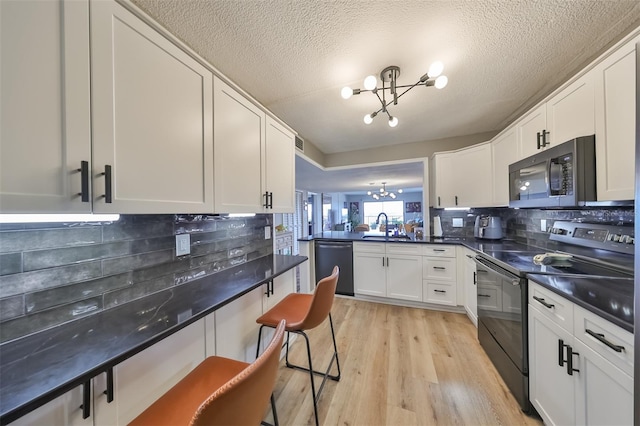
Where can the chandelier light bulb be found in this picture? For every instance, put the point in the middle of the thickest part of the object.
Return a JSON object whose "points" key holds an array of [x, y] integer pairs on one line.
{"points": [[392, 195], [368, 119], [393, 122], [346, 92], [441, 82], [368, 192], [436, 69], [370, 82]]}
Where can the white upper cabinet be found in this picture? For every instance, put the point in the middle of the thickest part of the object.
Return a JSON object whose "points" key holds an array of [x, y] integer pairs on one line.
{"points": [[504, 151], [615, 88], [442, 172], [280, 167], [253, 157], [45, 128], [567, 115], [152, 119]]}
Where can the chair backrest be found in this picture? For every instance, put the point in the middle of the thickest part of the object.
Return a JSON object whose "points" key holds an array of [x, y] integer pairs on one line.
{"points": [[243, 399], [322, 301]]}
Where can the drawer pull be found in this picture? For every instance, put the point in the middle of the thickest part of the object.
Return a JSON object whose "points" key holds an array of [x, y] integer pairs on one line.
{"points": [[483, 295], [545, 304], [440, 291], [440, 250], [600, 337], [439, 267]]}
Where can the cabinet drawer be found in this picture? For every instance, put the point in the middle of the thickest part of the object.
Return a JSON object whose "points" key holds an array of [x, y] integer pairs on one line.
{"points": [[587, 324], [368, 248], [404, 248], [489, 298], [440, 269], [442, 294], [559, 309], [438, 250]]}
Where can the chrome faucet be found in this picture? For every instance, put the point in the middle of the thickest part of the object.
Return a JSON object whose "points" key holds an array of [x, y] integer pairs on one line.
{"points": [[386, 224]]}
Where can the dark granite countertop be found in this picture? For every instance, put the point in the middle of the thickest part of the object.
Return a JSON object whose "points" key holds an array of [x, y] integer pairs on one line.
{"points": [[37, 368], [609, 298]]}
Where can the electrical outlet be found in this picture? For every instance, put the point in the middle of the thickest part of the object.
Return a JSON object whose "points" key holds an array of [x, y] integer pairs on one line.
{"points": [[543, 225], [267, 232], [457, 222], [183, 244]]}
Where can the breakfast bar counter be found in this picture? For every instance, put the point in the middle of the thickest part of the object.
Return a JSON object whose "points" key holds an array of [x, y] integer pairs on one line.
{"points": [[37, 368]]}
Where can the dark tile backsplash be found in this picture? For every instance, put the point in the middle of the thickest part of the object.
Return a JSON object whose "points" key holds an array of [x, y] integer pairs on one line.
{"points": [[53, 273], [523, 225]]}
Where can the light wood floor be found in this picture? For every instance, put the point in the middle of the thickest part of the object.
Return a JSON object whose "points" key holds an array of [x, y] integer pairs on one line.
{"points": [[400, 366]]}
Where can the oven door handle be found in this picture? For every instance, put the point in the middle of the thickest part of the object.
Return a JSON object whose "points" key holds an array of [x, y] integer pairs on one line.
{"points": [[515, 281]]}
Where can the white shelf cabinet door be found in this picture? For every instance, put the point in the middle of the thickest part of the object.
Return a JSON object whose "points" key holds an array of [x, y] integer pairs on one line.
{"points": [[471, 289], [604, 394], [140, 380], [444, 189], [528, 128], [474, 176], [152, 118], [236, 327], [615, 89], [504, 151], [62, 411], [280, 167], [551, 389], [45, 127], [404, 277], [369, 274], [239, 132], [571, 113]]}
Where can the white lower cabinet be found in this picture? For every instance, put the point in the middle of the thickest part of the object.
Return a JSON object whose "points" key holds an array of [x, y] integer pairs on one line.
{"points": [[470, 282], [574, 376], [388, 270], [64, 410], [439, 275]]}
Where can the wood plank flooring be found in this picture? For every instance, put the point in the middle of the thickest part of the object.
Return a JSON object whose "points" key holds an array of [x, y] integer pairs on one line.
{"points": [[400, 366]]}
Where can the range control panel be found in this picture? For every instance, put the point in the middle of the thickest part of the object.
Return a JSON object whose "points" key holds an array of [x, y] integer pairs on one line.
{"points": [[594, 235]]}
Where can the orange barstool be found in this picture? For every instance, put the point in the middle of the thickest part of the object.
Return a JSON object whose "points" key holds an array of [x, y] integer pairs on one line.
{"points": [[220, 391], [304, 312]]}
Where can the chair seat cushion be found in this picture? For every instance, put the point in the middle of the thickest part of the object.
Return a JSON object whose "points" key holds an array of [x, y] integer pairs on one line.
{"points": [[293, 309], [178, 405]]}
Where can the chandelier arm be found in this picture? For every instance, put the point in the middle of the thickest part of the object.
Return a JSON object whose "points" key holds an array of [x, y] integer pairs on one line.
{"points": [[382, 102]]}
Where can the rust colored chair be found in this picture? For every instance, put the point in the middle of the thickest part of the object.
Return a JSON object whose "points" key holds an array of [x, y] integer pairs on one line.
{"points": [[220, 391], [304, 312]]}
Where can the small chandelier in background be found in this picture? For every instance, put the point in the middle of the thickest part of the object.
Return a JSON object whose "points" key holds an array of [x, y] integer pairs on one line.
{"points": [[383, 192], [390, 75]]}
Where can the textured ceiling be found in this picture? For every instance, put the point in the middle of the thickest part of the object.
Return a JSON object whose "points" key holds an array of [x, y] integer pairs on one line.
{"points": [[294, 56]]}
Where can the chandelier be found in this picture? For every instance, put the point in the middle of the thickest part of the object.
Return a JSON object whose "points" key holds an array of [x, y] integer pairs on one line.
{"points": [[390, 75], [383, 193]]}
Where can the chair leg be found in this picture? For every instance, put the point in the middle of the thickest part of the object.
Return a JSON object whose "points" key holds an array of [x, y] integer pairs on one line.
{"points": [[259, 338], [313, 385], [335, 348]]}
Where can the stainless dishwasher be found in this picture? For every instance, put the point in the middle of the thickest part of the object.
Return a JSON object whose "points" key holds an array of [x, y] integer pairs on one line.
{"points": [[331, 253]]}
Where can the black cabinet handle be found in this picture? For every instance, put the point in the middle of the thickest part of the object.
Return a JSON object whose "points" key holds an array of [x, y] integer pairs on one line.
{"points": [[543, 302], [439, 267], [84, 181], [266, 200], [383, 262], [86, 399], [439, 250], [109, 390], [483, 295], [271, 200], [538, 136], [108, 189], [438, 200], [475, 278], [456, 200], [440, 291], [544, 138], [561, 346], [600, 337], [570, 354], [387, 262]]}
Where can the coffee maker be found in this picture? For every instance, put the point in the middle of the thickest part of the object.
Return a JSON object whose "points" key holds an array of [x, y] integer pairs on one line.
{"points": [[488, 227]]}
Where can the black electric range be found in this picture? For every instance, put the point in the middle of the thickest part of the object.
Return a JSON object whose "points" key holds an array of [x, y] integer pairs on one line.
{"points": [[598, 269]]}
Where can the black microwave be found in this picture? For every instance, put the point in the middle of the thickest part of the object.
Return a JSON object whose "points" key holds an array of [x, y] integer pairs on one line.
{"points": [[561, 176]]}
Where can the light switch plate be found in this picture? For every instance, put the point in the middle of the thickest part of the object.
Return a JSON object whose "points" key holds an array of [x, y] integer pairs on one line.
{"points": [[267, 232], [457, 222], [183, 244], [543, 225]]}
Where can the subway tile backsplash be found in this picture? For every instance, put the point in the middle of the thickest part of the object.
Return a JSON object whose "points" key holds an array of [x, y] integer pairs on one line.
{"points": [[523, 225], [53, 273]]}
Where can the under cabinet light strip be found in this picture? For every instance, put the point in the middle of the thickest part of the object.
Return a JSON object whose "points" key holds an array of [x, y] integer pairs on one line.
{"points": [[48, 218]]}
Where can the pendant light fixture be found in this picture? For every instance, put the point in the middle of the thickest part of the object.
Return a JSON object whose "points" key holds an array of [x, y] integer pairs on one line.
{"points": [[389, 77], [383, 193]]}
